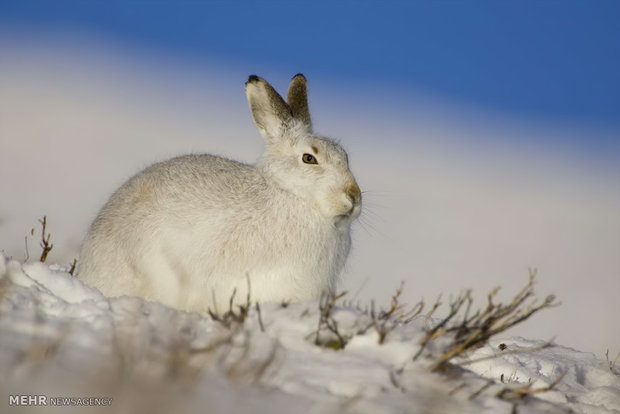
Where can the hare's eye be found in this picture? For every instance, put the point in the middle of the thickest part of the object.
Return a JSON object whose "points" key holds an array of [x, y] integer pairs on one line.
{"points": [[309, 159]]}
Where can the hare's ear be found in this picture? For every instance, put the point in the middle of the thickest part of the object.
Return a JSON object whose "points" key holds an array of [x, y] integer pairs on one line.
{"points": [[271, 114], [297, 98]]}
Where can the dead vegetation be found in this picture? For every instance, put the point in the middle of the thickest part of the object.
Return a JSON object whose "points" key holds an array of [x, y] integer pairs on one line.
{"points": [[384, 321], [233, 317], [46, 247], [327, 302], [237, 358], [513, 393], [472, 330], [462, 330], [612, 363], [72, 268], [232, 348], [45, 244], [465, 329]]}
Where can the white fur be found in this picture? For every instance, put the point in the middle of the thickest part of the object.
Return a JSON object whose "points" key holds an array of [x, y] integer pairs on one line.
{"points": [[190, 230]]}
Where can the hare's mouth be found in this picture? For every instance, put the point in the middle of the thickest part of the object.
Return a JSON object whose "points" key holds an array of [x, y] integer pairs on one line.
{"points": [[346, 218], [342, 220]]}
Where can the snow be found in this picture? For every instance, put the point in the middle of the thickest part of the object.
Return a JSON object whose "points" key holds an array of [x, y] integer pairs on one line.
{"points": [[59, 337]]}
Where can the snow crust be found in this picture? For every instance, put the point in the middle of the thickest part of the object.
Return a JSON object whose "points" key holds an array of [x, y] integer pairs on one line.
{"points": [[59, 337]]}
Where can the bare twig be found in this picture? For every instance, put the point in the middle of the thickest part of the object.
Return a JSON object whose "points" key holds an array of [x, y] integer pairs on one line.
{"points": [[386, 320], [232, 316], [395, 382], [516, 393], [45, 240], [611, 363], [430, 313], [457, 388], [475, 330], [326, 320], [27, 253], [260, 317], [438, 330], [72, 268], [481, 389]]}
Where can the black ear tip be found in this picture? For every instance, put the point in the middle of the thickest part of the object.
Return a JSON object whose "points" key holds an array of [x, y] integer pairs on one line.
{"points": [[300, 75], [253, 78]]}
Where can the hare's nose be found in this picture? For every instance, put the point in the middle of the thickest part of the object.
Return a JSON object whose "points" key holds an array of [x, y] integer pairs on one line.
{"points": [[353, 193]]}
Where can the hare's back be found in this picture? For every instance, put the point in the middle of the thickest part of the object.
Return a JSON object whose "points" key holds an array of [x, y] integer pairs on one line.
{"points": [[182, 187], [196, 181]]}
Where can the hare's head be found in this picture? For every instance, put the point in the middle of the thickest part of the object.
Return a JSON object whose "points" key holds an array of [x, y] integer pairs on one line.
{"points": [[314, 168]]}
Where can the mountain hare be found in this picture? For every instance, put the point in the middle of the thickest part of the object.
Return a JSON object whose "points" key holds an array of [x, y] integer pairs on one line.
{"points": [[191, 230]]}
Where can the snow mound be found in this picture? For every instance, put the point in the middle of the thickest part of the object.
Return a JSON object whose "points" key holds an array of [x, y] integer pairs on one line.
{"points": [[59, 337]]}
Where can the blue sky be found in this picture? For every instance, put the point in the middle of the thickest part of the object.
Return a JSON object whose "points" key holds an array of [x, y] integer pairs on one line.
{"points": [[545, 60]]}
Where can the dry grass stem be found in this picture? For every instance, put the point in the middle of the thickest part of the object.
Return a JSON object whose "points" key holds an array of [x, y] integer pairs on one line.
{"points": [[26, 252], [517, 393], [45, 244], [327, 321], [475, 330], [481, 389], [231, 316], [611, 363], [386, 320], [72, 268], [260, 317]]}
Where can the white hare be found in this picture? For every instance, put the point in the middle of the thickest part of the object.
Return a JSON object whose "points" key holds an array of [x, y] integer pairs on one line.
{"points": [[191, 230]]}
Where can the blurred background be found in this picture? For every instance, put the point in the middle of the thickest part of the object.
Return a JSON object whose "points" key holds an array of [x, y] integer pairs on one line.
{"points": [[485, 136]]}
